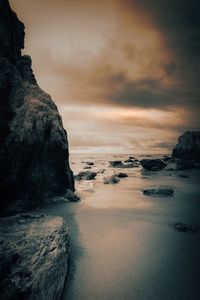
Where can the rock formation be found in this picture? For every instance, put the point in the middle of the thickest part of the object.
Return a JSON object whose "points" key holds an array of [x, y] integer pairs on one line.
{"points": [[34, 164], [188, 147], [153, 164], [33, 257]]}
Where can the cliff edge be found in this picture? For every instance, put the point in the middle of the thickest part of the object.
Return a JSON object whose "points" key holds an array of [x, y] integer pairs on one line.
{"points": [[34, 158]]}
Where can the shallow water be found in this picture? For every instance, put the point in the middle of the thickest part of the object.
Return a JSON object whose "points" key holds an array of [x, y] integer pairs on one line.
{"points": [[123, 246]]}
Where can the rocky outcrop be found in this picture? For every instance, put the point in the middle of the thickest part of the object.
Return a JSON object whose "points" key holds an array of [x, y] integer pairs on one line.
{"points": [[153, 164], [34, 256], [178, 164], [34, 163], [188, 147]]}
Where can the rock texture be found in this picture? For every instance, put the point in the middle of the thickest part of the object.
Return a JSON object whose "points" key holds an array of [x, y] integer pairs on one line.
{"points": [[33, 257], [159, 191], [33, 143], [86, 175], [153, 164], [188, 147]]}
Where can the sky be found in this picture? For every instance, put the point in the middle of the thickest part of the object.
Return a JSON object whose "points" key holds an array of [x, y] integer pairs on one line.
{"points": [[123, 73]]}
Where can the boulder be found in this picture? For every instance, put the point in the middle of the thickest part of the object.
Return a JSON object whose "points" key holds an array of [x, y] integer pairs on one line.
{"points": [[177, 164], [121, 175], [34, 256], [188, 147], [120, 164], [111, 180], [160, 191], [89, 163], [85, 175], [34, 156], [166, 158], [186, 227], [153, 164]]}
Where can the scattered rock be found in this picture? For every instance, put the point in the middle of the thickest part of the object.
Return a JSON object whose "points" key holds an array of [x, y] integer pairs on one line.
{"points": [[101, 171], [34, 256], [188, 147], [120, 164], [89, 163], [121, 175], [160, 191], [87, 167], [85, 175], [153, 164], [178, 164], [166, 158], [111, 180], [186, 227]]}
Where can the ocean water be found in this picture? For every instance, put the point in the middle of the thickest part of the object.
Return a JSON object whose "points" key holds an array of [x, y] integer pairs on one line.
{"points": [[124, 245]]}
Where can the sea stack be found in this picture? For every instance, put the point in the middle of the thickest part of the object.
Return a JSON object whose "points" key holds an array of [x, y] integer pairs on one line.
{"points": [[34, 158]]}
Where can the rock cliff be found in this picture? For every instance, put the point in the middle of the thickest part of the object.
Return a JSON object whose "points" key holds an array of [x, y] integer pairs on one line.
{"points": [[188, 147], [33, 257], [34, 165]]}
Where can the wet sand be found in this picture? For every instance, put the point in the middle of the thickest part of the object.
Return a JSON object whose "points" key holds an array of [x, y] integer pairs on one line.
{"points": [[124, 245]]}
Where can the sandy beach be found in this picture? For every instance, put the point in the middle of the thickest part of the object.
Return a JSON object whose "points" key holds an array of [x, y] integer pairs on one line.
{"points": [[124, 244]]}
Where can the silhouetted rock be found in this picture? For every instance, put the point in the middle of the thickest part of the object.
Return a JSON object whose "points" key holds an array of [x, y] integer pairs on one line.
{"points": [[121, 175], [166, 158], [120, 164], [111, 179], [85, 175], [160, 191], [153, 164], [34, 161], [87, 167], [176, 164], [186, 227], [188, 147], [34, 256], [89, 163]]}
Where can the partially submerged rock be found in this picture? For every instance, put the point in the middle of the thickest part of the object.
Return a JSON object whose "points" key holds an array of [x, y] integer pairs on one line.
{"points": [[121, 175], [178, 164], [186, 227], [160, 191], [88, 175], [34, 256], [166, 158], [111, 179], [120, 164], [153, 164], [89, 163], [87, 167]]}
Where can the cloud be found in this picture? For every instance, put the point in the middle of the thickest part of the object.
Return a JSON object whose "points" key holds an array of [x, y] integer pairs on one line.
{"points": [[122, 72]]}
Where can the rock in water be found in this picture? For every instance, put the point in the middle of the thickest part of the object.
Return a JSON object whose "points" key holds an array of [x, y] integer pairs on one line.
{"points": [[86, 175], [111, 179], [160, 191], [153, 164], [188, 147], [33, 257], [34, 161]]}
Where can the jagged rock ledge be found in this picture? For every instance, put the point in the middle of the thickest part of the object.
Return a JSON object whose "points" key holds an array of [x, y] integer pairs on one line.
{"points": [[34, 256]]}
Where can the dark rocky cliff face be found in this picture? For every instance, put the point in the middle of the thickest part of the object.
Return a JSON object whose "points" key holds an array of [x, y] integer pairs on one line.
{"points": [[34, 155], [188, 146]]}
